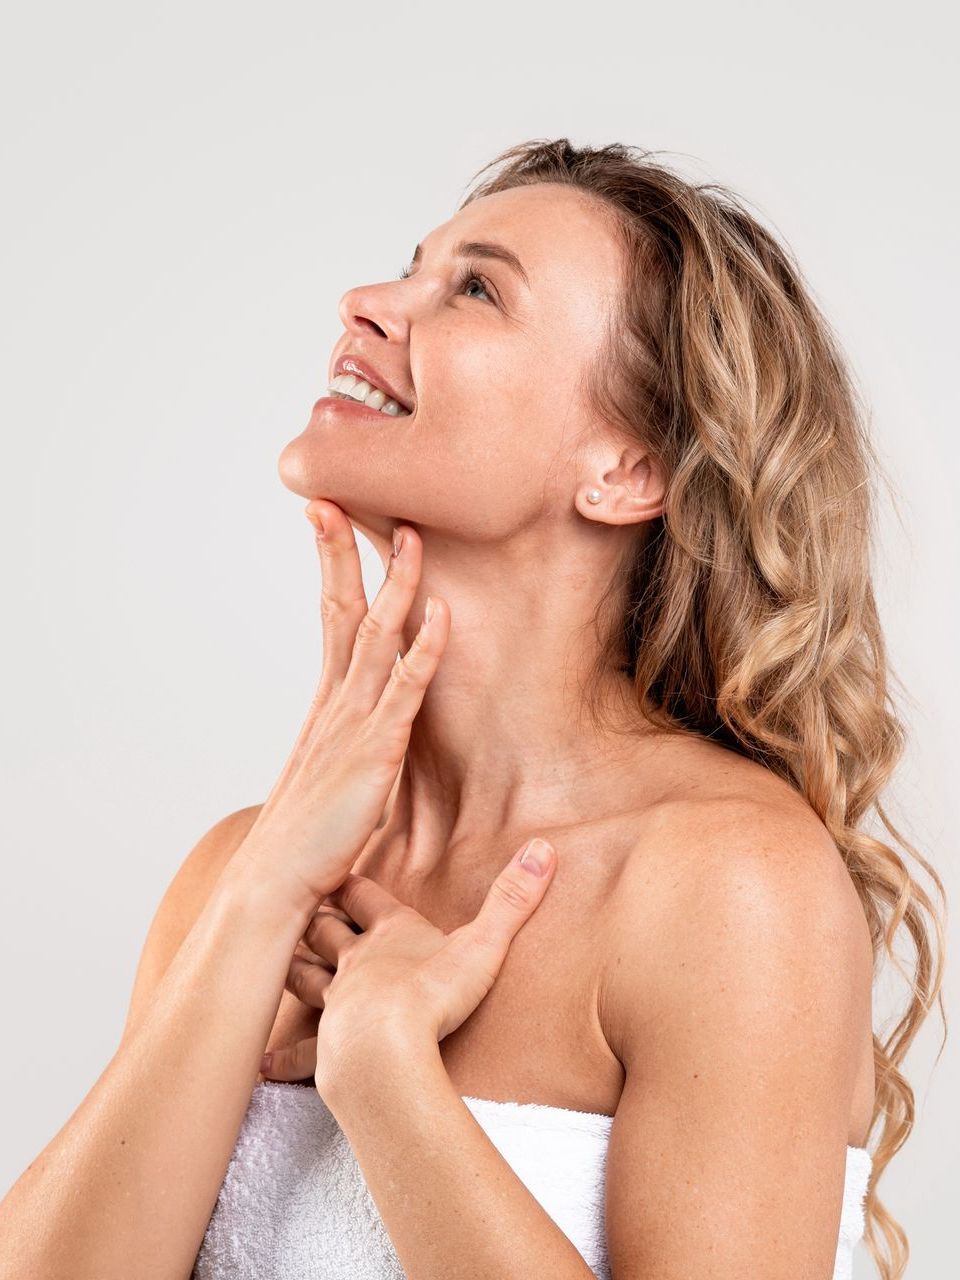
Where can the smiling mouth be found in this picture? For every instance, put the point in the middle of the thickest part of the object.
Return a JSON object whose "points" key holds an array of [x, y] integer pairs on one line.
{"points": [[355, 409], [347, 386]]}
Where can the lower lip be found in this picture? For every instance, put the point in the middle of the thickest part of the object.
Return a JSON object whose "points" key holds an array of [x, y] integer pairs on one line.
{"points": [[355, 407]]}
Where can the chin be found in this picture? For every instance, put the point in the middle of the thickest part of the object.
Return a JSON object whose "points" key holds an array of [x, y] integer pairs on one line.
{"points": [[297, 475], [304, 471], [291, 470]]}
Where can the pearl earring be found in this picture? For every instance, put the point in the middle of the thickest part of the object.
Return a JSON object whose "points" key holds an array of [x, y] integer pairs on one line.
{"points": [[594, 495]]}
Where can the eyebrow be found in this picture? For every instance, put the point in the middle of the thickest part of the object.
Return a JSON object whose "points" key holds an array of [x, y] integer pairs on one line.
{"points": [[482, 249]]}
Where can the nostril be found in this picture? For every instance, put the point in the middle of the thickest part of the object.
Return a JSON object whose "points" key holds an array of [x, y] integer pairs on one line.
{"points": [[365, 320]]}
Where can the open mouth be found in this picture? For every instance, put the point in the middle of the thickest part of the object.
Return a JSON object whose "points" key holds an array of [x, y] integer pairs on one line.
{"points": [[347, 386]]}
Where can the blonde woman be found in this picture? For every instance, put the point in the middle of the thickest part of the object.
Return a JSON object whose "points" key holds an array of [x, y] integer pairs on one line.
{"points": [[611, 458]]}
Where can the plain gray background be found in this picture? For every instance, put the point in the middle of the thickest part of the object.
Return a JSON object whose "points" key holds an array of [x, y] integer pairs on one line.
{"points": [[187, 194]]}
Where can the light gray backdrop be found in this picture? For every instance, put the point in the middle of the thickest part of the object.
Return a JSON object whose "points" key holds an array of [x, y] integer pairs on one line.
{"points": [[187, 193]]}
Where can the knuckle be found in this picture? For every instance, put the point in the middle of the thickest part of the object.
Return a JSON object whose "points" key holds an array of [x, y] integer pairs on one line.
{"points": [[509, 891], [315, 929], [391, 920], [338, 913], [420, 652], [320, 699], [370, 630], [333, 609], [401, 673]]}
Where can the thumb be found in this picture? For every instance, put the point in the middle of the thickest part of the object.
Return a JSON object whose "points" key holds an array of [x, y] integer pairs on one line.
{"points": [[514, 896], [292, 1062]]}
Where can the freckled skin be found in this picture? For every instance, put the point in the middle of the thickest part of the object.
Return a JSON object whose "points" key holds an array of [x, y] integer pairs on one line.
{"points": [[494, 438], [492, 470]]}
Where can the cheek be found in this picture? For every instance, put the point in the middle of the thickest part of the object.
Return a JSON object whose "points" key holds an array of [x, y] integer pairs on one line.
{"points": [[495, 408], [497, 449]]}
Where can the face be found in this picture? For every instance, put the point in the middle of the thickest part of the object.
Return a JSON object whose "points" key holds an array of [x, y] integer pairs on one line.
{"points": [[490, 363]]}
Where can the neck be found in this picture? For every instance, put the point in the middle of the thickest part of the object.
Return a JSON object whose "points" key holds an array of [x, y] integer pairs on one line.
{"points": [[503, 746]]}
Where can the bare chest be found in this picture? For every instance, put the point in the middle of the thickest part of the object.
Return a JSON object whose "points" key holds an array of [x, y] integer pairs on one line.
{"points": [[537, 1037]]}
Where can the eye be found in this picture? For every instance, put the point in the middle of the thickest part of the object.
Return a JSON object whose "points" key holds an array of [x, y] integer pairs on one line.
{"points": [[471, 276], [468, 275]]}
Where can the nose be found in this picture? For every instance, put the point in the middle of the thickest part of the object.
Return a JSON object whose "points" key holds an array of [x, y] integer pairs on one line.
{"points": [[377, 308]]}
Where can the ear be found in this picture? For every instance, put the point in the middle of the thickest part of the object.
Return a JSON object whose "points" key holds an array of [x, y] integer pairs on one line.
{"points": [[631, 485]]}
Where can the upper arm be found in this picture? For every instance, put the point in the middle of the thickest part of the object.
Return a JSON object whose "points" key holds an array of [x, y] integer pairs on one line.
{"points": [[736, 996], [182, 903]]}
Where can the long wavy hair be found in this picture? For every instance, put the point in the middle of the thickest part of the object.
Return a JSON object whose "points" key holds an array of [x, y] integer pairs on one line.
{"points": [[747, 615]]}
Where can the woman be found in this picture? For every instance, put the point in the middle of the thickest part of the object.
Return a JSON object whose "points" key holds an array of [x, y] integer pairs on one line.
{"points": [[622, 454]]}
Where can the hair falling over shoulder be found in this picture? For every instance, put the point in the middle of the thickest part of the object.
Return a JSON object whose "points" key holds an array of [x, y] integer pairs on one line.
{"points": [[748, 613]]}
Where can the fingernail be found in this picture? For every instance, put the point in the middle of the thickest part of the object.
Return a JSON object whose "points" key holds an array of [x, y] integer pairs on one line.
{"points": [[265, 1062], [316, 522], [397, 542], [535, 856]]}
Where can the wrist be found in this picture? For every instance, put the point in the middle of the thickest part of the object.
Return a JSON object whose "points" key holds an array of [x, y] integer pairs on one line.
{"points": [[364, 1066], [263, 864], [249, 889]]}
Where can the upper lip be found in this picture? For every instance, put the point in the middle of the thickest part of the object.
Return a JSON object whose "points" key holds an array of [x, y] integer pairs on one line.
{"points": [[368, 371]]}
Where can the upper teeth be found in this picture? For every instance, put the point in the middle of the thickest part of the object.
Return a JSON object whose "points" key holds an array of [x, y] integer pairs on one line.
{"points": [[349, 387]]}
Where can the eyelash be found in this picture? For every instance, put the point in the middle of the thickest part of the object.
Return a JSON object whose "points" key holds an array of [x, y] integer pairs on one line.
{"points": [[467, 274]]}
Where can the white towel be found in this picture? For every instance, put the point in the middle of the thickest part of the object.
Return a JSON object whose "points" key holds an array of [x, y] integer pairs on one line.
{"points": [[294, 1204]]}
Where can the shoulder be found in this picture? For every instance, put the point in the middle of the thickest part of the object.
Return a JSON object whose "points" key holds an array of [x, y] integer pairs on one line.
{"points": [[737, 985], [182, 902], [201, 869], [214, 849], [735, 895]]}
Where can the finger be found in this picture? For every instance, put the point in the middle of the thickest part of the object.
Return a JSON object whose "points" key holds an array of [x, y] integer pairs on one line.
{"points": [[328, 937], [292, 1062], [510, 902], [411, 674], [343, 599], [380, 635], [308, 982], [365, 901], [327, 905], [305, 953]]}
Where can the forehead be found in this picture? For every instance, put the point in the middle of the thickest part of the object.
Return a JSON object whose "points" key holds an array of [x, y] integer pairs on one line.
{"points": [[564, 237]]}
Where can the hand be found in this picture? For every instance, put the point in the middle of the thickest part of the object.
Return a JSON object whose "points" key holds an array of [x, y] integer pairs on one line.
{"points": [[335, 784], [401, 975]]}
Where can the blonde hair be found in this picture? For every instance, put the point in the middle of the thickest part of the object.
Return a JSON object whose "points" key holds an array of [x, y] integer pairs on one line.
{"points": [[748, 615]]}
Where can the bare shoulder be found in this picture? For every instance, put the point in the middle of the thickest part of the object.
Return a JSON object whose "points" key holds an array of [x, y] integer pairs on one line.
{"points": [[736, 993], [183, 901], [733, 883], [200, 871]]}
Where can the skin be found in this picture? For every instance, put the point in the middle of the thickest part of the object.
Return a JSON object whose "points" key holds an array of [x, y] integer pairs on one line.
{"points": [[492, 470], [695, 962], [693, 890]]}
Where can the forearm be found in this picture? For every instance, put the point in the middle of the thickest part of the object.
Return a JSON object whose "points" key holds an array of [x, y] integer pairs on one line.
{"points": [[128, 1185], [450, 1203]]}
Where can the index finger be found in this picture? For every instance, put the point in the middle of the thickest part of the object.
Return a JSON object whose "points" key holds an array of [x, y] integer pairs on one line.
{"points": [[343, 598], [364, 900]]}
